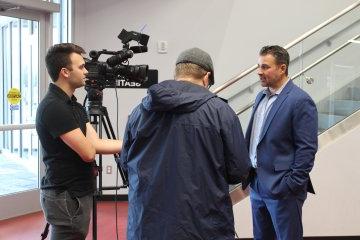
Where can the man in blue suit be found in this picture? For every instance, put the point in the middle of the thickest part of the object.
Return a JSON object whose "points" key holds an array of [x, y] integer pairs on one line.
{"points": [[282, 141]]}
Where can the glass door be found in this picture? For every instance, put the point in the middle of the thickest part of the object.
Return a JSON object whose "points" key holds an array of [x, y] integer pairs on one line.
{"points": [[19, 67], [23, 40]]}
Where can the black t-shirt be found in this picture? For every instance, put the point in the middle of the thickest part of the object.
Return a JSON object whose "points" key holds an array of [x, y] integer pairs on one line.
{"points": [[65, 170]]}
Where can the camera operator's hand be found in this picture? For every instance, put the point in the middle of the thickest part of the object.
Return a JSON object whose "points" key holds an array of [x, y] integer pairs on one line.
{"points": [[102, 146]]}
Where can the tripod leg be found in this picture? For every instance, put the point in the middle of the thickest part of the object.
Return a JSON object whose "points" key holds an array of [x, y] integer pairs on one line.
{"points": [[94, 217], [104, 120], [109, 129], [97, 172], [45, 232]]}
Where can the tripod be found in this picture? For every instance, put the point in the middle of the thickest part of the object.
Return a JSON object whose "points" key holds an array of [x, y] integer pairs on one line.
{"points": [[99, 118]]}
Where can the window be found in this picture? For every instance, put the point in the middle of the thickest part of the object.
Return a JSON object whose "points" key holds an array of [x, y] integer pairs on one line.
{"points": [[19, 39], [19, 68], [62, 22]]}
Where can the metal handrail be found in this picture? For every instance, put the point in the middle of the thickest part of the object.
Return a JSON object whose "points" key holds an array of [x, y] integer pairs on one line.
{"points": [[10, 127], [289, 45], [353, 40]]}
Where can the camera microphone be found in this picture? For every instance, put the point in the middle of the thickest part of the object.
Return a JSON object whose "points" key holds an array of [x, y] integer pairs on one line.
{"points": [[125, 54], [139, 49], [120, 57]]}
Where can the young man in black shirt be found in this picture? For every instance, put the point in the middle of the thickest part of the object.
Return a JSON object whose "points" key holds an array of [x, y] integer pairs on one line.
{"points": [[69, 144]]}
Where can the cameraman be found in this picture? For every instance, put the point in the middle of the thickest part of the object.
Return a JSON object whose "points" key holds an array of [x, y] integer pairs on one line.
{"points": [[69, 144], [183, 145]]}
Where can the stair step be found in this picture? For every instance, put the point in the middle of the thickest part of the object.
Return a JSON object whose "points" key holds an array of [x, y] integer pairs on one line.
{"points": [[341, 107], [352, 93], [328, 120]]}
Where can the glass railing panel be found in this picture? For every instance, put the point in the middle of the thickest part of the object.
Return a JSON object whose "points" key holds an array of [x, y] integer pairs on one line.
{"points": [[304, 53], [334, 84], [239, 94]]}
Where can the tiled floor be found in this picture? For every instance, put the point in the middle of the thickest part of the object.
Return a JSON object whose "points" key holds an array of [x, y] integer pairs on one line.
{"points": [[17, 174]]}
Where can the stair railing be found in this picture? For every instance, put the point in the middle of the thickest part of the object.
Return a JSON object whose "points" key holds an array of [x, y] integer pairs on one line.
{"points": [[289, 45]]}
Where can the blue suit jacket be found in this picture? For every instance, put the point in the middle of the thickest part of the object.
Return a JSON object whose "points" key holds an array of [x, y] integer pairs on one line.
{"points": [[287, 145]]}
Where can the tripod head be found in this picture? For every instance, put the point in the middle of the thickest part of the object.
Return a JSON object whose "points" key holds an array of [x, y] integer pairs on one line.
{"points": [[99, 116]]}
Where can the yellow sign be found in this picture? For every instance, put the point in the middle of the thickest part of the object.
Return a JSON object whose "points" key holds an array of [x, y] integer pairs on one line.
{"points": [[14, 96]]}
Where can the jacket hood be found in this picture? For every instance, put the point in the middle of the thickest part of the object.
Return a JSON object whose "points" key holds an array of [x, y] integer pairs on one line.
{"points": [[176, 96]]}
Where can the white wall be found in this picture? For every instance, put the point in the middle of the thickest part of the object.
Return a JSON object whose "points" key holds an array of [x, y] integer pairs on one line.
{"points": [[232, 31]]}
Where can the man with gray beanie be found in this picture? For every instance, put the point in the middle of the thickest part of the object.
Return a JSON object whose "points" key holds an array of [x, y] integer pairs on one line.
{"points": [[183, 146]]}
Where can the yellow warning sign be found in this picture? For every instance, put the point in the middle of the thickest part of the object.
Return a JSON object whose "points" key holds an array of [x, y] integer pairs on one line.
{"points": [[14, 96]]}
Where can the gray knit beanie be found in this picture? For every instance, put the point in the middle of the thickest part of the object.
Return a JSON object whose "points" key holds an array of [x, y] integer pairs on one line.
{"points": [[199, 57]]}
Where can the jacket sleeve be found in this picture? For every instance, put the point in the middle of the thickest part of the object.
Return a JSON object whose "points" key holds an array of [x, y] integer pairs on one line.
{"points": [[236, 155], [127, 141], [305, 127]]}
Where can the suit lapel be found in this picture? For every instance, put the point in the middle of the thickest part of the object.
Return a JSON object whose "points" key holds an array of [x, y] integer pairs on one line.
{"points": [[274, 109]]}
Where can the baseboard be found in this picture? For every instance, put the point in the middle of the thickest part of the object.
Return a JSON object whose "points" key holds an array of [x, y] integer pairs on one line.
{"points": [[319, 238], [112, 197]]}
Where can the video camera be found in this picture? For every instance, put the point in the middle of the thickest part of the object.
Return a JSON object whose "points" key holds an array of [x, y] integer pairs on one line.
{"points": [[108, 74]]}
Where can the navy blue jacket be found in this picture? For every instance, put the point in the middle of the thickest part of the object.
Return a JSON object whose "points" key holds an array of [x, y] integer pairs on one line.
{"points": [[182, 147], [287, 145]]}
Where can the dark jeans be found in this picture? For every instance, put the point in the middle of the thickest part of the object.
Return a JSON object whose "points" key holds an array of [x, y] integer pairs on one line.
{"points": [[69, 217]]}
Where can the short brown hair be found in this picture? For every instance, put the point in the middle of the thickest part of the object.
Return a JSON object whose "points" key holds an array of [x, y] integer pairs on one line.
{"points": [[58, 57], [189, 69], [279, 53]]}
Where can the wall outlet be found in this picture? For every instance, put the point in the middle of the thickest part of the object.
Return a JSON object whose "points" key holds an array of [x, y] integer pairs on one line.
{"points": [[108, 169]]}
